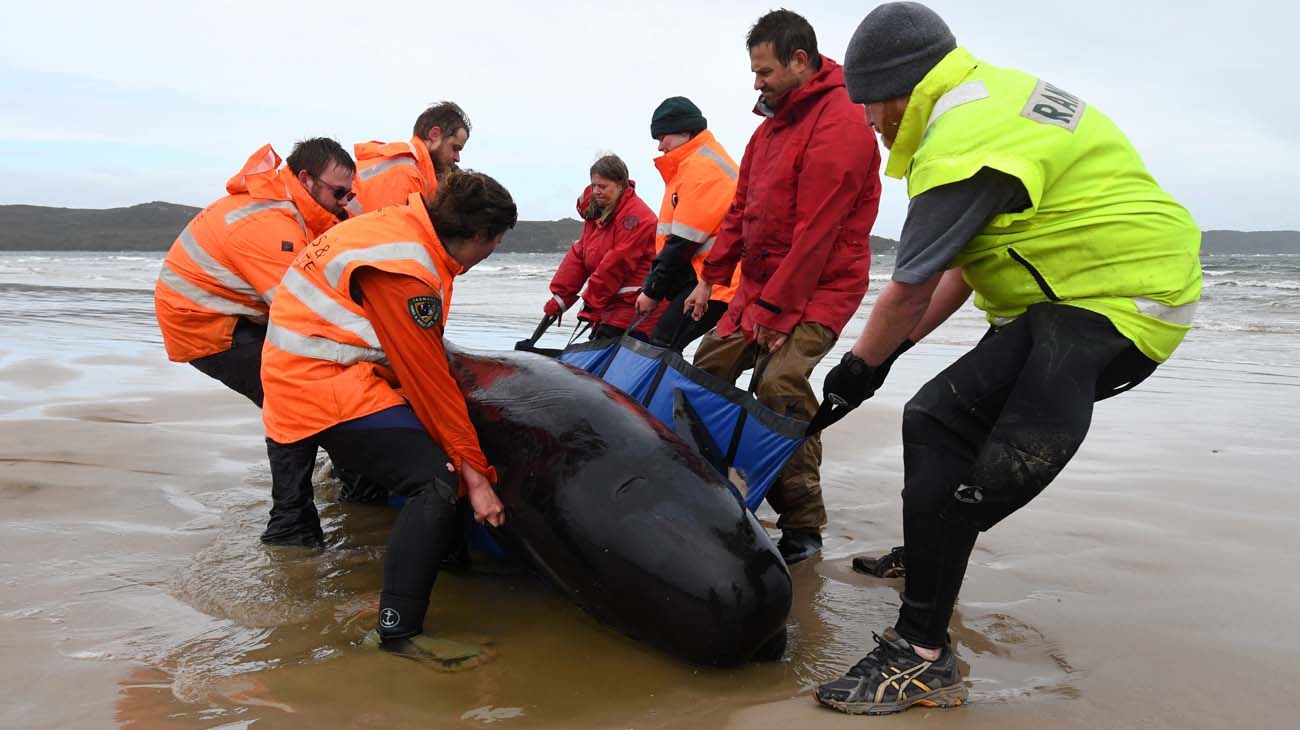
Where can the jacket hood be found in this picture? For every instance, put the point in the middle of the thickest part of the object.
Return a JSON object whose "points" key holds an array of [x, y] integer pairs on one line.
{"points": [[257, 176], [374, 148], [584, 203], [413, 148]]}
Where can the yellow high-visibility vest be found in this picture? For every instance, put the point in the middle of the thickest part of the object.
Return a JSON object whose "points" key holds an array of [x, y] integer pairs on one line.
{"points": [[1099, 232]]}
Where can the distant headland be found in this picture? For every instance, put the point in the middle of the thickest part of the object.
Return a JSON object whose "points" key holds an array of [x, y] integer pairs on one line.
{"points": [[153, 227]]}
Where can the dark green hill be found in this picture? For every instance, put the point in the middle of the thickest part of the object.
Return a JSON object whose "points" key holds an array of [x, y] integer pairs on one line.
{"points": [[542, 236], [153, 227], [144, 227]]}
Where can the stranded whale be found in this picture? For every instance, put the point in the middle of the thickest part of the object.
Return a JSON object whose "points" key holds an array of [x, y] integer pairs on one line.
{"points": [[621, 514]]}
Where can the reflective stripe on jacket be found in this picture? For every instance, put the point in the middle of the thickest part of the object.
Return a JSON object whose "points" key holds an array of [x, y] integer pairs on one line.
{"points": [[322, 363], [699, 185], [1099, 233], [388, 172], [227, 262]]}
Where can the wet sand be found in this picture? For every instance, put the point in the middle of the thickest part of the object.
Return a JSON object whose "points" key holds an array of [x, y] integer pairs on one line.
{"points": [[1153, 585]]}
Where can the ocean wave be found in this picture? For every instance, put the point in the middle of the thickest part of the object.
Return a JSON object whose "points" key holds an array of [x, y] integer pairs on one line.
{"points": [[12, 286], [1285, 284], [1282, 327]]}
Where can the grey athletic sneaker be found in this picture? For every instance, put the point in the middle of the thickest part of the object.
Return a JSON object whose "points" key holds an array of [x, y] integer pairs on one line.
{"points": [[892, 678]]}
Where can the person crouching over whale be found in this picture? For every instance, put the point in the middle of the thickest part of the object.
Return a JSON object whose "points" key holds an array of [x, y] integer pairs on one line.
{"points": [[612, 257], [360, 313], [219, 277]]}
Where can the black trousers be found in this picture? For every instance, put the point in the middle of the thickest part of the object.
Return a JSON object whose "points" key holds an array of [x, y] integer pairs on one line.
{"points": [[675, 329], [240, 367], [988, 434], [391, 448]]}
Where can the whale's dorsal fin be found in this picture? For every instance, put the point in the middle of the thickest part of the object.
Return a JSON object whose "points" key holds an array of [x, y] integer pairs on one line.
{"points": [[687, 426]]}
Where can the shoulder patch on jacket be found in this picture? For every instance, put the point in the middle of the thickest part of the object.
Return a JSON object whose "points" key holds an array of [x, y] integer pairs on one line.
{"points": [[425, 310], [1050, 105], [629, 223]]}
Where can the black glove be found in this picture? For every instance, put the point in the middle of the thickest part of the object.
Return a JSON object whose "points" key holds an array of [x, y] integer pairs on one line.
{"points": [[849, 384], [853, 381]]}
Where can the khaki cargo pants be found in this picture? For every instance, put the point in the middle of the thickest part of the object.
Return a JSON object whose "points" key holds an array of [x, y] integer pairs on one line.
{"points": [[783, 386]]}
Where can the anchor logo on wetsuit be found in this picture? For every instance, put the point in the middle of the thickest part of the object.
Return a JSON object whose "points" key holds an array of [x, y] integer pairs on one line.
{"points": [[388, 618]]}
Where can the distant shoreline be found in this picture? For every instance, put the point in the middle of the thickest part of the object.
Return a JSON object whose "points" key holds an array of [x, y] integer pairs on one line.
{"points": [[153, 227]]}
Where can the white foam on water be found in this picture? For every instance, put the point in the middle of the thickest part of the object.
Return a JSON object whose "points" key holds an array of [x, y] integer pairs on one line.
{"points": [[91, 656], [489, 714]]}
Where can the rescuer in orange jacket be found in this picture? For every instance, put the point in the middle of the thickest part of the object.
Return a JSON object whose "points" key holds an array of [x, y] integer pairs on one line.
{"points": [[612, 257], [361, 313], [220, 276], [388, 172], [699, 185]]}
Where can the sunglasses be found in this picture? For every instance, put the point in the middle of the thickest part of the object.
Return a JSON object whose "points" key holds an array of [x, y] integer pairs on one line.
{"points": [[340, 192]]}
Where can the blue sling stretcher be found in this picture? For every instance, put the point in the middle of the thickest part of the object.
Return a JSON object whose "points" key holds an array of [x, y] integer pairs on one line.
{"points": [[744, 440]]}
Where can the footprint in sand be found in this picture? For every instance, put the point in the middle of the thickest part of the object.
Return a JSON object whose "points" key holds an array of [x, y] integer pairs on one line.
{"points": [[1005, 659]]}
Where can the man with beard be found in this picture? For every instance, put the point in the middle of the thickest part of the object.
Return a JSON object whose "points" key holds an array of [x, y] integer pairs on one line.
{"points": [[220, 276], [388, 172], [799, 228]]}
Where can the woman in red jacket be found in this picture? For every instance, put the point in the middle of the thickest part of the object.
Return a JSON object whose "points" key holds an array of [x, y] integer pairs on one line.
{"points": [[612, 257]]}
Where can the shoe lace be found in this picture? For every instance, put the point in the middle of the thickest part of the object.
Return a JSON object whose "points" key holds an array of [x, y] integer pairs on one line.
{"points": [[893, 558], [875, 659]]}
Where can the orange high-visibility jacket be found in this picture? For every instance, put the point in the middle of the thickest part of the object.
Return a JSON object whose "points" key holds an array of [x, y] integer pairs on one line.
{"points": [[388, 172], [322, 363], [699, 185], [227, 262]]}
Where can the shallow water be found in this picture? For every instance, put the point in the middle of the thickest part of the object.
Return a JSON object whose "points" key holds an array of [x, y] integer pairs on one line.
{"points": [[133, 588]]}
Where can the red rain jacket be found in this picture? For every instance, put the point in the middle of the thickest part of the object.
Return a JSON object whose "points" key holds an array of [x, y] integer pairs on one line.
{"points": [[612, 257], [800, 225]]}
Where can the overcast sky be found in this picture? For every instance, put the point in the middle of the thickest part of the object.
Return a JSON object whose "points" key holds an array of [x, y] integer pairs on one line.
{"points": [[116, 103]]}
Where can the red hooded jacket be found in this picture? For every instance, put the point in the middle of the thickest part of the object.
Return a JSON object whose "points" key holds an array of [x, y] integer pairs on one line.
{"points": [[800, 225], [612, 257]]}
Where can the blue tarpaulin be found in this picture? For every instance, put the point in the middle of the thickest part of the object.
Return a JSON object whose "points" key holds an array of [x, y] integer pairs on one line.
{"points": [[749, 438]]}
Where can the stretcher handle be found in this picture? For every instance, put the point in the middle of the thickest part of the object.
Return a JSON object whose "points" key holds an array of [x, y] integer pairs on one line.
{"points": [[542, 326], [828, 413]]}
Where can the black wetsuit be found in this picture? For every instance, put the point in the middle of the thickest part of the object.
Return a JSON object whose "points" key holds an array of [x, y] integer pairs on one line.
{"points": [[987, 434], [390, 447]]}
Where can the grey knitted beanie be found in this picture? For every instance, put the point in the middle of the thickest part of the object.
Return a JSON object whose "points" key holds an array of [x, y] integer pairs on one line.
{"points": [[893, 48]]}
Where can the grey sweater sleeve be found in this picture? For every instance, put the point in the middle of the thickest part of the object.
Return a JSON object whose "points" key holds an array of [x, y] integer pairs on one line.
{"points": [[940, 222]]}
